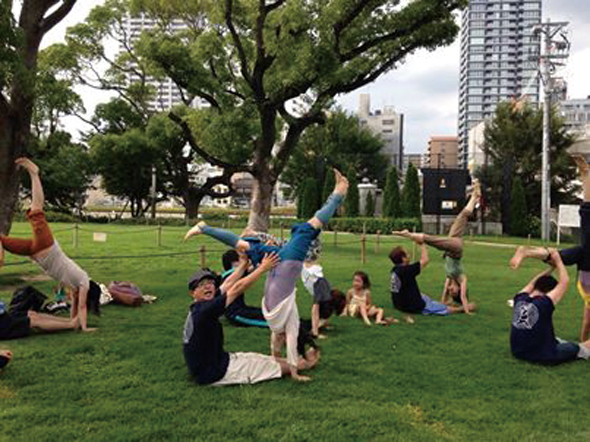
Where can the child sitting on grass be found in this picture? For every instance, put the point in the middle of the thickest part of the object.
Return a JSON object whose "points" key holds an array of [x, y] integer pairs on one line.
{"points": [[358, 300]]}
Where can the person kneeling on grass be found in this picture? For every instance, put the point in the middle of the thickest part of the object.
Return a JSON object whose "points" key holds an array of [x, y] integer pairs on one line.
{"points": [[206, 359], [5, 358], [405, 293], [532, 337]]}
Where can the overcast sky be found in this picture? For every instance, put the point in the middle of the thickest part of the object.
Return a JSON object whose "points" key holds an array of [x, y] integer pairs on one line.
{"points": [[425, 87]]}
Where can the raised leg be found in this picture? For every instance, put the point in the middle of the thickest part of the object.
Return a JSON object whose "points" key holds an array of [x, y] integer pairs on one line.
{"points": [[323, 215]]}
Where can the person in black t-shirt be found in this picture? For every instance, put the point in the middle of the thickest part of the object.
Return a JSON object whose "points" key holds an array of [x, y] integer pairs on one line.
{"points": [[206, 359], [5, 358], [238, 313], [405, 293], [532, 337]]}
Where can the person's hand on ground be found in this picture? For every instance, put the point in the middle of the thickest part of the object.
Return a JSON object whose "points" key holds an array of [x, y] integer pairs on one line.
{"points": [[6, 353]]}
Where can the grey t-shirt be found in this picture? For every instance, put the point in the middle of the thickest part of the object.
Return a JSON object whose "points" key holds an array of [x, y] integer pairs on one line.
{"points": [[61, 268]]}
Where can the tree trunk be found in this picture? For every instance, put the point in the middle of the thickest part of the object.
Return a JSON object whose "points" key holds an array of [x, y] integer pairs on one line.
{"points": [[262, 192], [192, 203], [9, 175]]}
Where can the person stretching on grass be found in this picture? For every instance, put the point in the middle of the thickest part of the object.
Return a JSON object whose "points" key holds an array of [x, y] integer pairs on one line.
{"points": [[455, 288], [5, 358], [278, 304], [532, 337], [579, 255], [405, 293], [46, 252], [206, 359]]}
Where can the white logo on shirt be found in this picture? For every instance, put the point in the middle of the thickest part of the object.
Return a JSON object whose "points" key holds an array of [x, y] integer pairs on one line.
{"points": [[396, 283], [525, 315], [188, 329]]}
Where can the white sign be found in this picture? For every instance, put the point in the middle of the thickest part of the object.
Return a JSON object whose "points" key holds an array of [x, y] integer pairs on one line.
{"points": [[569, 216], [100, 237]]}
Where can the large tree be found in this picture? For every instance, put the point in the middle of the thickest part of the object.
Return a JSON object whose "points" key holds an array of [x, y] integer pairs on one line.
{"points": [[248, 60], [342, 141], [19, 49], [513, 142]]}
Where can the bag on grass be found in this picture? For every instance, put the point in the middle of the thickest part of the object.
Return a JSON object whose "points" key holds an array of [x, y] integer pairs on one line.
{"points": [[25, 299], [125, 292]]}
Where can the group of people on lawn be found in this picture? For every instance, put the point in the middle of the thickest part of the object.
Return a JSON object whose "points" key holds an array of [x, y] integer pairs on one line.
{"points": [[253, 254]]}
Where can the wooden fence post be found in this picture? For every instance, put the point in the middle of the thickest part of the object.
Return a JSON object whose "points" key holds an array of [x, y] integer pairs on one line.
{"points": [[414, 247], [159, 235], [76, 235], [377, 241], [335, 237], [203, 252], [282, 232], [363, 248]]}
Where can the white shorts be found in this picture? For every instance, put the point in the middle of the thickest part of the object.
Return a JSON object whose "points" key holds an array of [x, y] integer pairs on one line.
{"points": [[249, 368]]}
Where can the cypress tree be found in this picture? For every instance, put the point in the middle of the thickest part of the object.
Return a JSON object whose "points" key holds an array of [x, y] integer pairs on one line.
{"points": [[411, 194], [518, 209], [391, 198], [351, 203]]}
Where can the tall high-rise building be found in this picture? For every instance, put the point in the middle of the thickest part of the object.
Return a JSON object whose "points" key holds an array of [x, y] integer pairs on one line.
{"points": [[167, 93], [389, 125], [497, 45]]}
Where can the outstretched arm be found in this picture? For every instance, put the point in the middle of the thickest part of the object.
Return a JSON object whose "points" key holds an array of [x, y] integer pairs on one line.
{"points": [[463, 289], [445, 294], [424, 258], [38, 197], [558, 292], [236, 274]]}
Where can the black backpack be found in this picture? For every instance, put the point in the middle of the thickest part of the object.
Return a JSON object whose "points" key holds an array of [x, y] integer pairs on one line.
{"points": [[25, 299]]}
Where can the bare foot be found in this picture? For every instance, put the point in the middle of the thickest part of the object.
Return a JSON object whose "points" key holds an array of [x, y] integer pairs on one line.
{"points": [[27, 164], [409, 319], [312, 357], [381, 323], [341, 186], [195, 230], [368, 323], [581, 164], [6, 353], [391, 320], [301, 378], [518, 257], [403, 233]]}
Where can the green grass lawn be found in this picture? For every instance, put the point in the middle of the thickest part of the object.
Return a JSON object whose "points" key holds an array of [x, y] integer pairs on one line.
{"points": [[441, 379]]}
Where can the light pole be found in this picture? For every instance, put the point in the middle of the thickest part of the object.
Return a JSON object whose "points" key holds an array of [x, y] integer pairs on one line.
{"points": [[554, 53]]}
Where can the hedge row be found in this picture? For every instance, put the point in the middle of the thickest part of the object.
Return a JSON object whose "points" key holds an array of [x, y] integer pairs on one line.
{"points": [[354, 225]]}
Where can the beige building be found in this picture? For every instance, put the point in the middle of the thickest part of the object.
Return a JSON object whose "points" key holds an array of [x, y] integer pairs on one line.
{"points": [[386, 123], [442, 152], [412, 158], [476, 156]]}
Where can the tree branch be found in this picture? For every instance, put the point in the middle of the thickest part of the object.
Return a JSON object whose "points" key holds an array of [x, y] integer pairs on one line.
{"points": [[271, 7], [51, 20], [236, 38], [201, 152]]}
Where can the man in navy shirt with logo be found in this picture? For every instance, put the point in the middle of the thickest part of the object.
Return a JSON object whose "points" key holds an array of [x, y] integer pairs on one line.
{"points": [[206, 359], [532, 337]]}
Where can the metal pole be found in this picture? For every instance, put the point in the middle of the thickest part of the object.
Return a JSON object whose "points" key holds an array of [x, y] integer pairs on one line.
{"points": [[545, 186], [153, 192]]}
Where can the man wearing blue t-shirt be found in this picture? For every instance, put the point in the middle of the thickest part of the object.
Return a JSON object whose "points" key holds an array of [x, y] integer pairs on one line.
{"points": [[532, 337], [206, 359]]}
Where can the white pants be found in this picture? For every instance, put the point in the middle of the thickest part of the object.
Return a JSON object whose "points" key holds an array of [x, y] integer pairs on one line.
{"points": [[249, 368]]}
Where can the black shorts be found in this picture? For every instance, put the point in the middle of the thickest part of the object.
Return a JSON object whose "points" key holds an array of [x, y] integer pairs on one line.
{"points": [[14, 327]]}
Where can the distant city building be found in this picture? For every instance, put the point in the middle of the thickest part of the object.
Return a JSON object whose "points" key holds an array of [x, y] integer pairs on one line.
{"points": [[476, 156], [442, 153], [576, 113], [496, 42], [167, 94], [412, 158], [388, 124]]}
